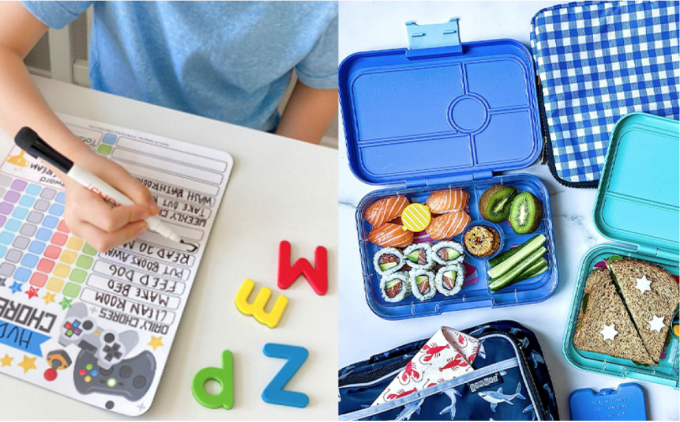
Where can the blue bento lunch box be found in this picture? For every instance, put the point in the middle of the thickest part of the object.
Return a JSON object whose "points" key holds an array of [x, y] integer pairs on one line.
{"points": [[637, 205], [445, 115]]}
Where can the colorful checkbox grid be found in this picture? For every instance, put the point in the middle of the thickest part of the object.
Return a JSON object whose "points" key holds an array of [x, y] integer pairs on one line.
{"points": [[78, 275], [62, 227], [68, 257], [35, 242], [75, 243], [38, 279], [71, 290], [89, 250], [45, 265], [52, 252], [13, 225], [61, 270], [84, 262], [55, 284]]}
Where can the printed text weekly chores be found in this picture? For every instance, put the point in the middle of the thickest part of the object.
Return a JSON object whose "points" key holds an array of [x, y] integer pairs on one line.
{"points": [[98, 327]]}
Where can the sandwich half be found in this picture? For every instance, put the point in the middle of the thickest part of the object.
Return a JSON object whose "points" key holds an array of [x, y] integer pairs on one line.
{"points": [[603, 324], [651, 296]]}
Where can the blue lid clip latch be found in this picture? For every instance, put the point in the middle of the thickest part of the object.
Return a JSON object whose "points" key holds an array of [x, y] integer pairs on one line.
{"points": [[441, 35]]}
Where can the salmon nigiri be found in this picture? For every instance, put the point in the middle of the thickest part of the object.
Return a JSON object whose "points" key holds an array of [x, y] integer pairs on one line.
{"points": [[448, 200], [390, 235], [448, 225], [384, 210]]}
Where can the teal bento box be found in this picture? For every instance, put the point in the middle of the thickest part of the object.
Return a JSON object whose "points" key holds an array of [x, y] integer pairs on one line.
{"points": [[637, 205]]}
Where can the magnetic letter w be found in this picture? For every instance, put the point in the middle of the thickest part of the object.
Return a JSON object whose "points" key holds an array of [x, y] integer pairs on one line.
{"points": [[317, 278]]}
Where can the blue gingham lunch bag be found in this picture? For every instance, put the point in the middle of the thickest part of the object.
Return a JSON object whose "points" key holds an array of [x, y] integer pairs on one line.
{"points": [[597, 62], [510, 381]]}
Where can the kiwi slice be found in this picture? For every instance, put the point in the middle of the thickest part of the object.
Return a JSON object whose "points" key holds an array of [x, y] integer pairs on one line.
{"points": [[526, 213], [494, 205]]}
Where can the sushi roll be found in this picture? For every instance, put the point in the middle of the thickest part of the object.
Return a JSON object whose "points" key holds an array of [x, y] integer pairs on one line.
{"points": [[387, 261], [447, 253], [395, 287], [422, 284], [419, 256], [450, 279]]}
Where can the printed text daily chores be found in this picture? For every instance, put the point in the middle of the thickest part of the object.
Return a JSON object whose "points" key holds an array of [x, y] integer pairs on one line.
{"points": [[99, 326]]}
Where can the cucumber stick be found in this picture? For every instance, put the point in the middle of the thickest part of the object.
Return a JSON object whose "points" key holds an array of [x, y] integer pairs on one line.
{"points": [[527, 249], [538, 268], [507, 254], [508, 278]]}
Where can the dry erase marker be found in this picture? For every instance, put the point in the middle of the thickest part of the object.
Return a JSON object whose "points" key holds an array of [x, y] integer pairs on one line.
{"points": [[36, 147]]}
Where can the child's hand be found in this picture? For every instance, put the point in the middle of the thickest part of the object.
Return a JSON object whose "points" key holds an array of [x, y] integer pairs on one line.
{"points": [[88, 216]]}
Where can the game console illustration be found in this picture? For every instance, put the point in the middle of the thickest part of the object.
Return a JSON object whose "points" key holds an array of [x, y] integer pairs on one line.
{"points": [[102, 366]]}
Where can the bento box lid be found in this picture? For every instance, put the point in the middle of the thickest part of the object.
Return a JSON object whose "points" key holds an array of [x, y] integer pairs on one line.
{"points": [[440, 111], [638, 197]]}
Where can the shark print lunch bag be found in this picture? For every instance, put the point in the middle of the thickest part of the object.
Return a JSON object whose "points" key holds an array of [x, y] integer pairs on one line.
{"points": [[510, 381]]}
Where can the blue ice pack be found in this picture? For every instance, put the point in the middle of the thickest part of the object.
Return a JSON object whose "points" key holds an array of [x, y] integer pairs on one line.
{"points": [[597, 62], [626, 403]]}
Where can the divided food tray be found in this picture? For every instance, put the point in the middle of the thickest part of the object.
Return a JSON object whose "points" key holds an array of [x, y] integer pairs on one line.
{"points": [[666, 373], [475, 292], [444, 114]]}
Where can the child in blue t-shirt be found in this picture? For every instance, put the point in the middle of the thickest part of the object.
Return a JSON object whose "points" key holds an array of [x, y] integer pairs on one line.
{"points": [[229, 61]]}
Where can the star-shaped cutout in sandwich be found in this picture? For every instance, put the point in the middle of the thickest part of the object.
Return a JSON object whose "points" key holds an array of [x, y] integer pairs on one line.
{"points": [[656, 324], [609, 332], [643, 284]]}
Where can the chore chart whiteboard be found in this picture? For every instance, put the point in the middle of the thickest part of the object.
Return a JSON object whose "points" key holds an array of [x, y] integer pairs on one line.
{"points": [[99, 327]]}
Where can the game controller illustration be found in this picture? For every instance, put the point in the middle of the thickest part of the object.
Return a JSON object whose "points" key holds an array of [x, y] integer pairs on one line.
{"points": [[58, 360], [102, 365], [130, 378], [108, 346]]}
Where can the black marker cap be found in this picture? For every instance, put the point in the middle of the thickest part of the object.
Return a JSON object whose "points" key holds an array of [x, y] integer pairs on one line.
{"points": [[36, 147]]}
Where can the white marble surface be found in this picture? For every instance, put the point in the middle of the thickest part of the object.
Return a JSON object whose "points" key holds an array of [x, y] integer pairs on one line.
{"points": [[380, 25]]}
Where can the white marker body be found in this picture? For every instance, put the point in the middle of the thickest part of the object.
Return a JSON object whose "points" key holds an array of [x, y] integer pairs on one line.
{"points": [[112, 196]]}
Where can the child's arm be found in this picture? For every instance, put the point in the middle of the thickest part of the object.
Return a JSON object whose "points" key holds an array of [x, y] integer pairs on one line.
{"points": [[21, 104], [308, 113]]}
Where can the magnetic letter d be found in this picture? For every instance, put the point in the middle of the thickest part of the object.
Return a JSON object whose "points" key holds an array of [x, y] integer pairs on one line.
{"points": [[224, 376]]}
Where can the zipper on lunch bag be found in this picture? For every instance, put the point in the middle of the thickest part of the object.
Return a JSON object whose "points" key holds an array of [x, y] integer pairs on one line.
{"points": [[547, 155], [373, 374], [525, 369]]}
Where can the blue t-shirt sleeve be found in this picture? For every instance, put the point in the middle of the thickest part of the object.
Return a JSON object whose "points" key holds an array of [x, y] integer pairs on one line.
{"points": [[320, 68], [56, 14]]}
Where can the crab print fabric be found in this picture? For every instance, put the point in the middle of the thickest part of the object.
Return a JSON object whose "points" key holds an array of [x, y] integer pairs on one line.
{"points": [[447, 355]]}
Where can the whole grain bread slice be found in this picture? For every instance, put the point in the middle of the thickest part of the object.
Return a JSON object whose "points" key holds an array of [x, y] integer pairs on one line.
{"points": [[644, 305], [601, 305]]}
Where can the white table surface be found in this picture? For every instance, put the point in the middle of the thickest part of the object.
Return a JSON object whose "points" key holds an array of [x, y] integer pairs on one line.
{"points": [[380, 25], [279, 189]]}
